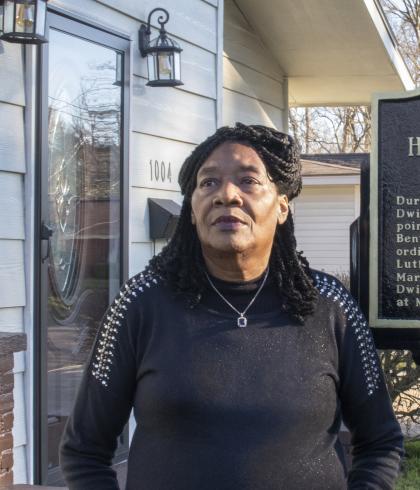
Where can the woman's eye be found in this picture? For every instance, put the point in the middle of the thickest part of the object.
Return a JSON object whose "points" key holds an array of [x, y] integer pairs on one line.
{"points": [[249, 181], [207, 182]]}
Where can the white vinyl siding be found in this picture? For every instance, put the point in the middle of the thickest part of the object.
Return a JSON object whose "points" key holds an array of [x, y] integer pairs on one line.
{"points": [[12, 228], [12, 142], [254, 88], [11, 206], [11, 75], [174, 114], [323, 215], [191, 20]]}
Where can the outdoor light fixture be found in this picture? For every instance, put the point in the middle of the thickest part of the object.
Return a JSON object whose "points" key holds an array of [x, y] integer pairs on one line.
{"points": [[23, 21], [163, 54]]}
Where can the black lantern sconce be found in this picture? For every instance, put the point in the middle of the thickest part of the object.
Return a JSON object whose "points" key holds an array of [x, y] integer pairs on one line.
{"points": [[163, 54], [23, 21]]}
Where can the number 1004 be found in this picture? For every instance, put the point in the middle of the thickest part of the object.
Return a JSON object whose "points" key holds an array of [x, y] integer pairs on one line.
{"points": [[160, 171]]}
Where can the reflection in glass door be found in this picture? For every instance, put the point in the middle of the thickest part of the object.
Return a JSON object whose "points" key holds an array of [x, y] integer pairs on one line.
{"points": [[81, 250]]}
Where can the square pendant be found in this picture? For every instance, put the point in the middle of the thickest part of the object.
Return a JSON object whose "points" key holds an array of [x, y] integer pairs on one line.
{"points": [[242, 321]]}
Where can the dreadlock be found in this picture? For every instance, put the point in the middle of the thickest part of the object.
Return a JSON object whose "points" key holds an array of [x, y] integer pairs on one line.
{"points": [[181, 265]]}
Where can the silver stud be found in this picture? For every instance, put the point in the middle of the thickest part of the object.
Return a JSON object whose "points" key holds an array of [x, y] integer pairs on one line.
{"points": [[108, 340]]}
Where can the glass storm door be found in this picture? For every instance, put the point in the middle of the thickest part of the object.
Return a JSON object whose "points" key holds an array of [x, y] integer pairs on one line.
{"points": [[81, 202]]}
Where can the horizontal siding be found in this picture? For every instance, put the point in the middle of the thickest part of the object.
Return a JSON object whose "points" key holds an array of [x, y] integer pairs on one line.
{"points": [[194, 20], [197, 64], [146, 151], [334, 216], [140, 254], [239, 107], [323, 215], [240, 78], [242, 44], [12, 278], [12, 140], [159, 245], [174, 114], [139, 222], [12, 89], [252, 79], [11, 206], [198, 71]]}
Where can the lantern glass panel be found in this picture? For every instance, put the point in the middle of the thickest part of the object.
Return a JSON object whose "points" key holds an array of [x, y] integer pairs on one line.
{"points": [[166, 62], [152, 66], [40, 18], [177, 66], [25, 16], [118, 70], [9, 10], [1, 17]]}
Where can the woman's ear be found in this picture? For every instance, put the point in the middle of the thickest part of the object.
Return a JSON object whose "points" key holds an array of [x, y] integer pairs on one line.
{"points": [[283, 209], [193, 221]]}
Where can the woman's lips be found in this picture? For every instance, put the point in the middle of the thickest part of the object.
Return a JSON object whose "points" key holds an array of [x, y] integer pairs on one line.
{"points": [[227, 223]]}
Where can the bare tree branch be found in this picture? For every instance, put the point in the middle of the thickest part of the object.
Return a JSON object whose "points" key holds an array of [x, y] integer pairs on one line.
{"points": [[404, 17]]}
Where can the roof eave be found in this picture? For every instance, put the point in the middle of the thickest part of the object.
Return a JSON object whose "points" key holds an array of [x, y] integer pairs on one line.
{"points": [[390, 43]]}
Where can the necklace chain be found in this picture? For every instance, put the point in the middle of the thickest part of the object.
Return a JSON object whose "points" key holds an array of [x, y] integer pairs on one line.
{"points": [[242, 320]]}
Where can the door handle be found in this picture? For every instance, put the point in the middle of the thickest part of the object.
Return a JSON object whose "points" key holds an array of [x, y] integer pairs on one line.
{"points": [[46, 234]]}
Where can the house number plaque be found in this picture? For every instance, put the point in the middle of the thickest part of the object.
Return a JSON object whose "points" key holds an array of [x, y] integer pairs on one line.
{"points": [[160, 171]]}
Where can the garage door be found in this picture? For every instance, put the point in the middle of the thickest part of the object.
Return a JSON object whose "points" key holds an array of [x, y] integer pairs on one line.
{"points": [[323, 215]]}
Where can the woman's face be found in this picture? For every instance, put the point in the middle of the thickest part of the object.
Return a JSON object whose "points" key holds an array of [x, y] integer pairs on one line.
{"points": [[235, 206]]}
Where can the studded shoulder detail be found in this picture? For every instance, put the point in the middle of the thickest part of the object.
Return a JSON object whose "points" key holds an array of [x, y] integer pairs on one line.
{"points": [[102, 358], [331, 288]]}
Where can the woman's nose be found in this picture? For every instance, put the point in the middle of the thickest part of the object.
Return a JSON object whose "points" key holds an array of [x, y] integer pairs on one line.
{"points": [[228, 194]]}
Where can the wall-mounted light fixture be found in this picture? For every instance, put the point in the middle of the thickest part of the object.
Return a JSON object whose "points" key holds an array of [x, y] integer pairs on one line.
{"points": [[24, 21], [163, 54]]}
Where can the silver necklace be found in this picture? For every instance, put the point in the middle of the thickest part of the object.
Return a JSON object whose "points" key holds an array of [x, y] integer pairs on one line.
{"points": [[242, 320]]}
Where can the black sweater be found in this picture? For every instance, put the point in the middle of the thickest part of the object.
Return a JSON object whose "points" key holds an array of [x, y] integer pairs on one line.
{"points": [[225, 408]]}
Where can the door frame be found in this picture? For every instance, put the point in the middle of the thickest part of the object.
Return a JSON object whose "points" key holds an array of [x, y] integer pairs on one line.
{"points": [[84, 29]]}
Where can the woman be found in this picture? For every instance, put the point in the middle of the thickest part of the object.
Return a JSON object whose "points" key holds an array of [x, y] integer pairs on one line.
{"points": [[239, 360]]}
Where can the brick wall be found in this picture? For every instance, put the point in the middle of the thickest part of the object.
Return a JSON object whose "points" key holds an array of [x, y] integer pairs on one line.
{"points": [[9, 343]]}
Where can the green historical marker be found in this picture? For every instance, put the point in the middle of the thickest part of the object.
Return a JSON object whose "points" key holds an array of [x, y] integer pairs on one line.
{"points": [[394, 275]]}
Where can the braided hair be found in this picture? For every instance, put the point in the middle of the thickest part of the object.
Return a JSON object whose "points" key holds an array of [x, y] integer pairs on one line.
{"points": [[180, 263]]}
